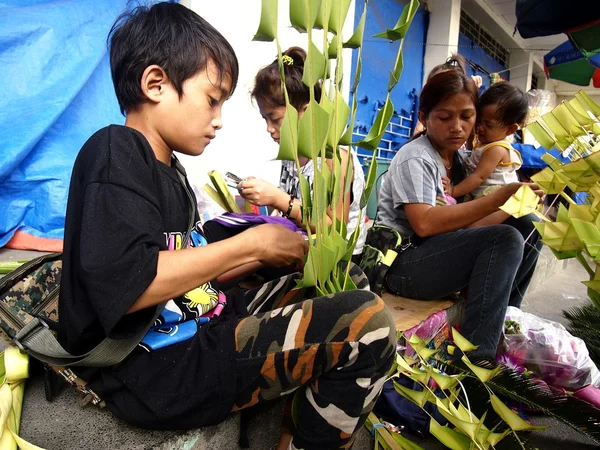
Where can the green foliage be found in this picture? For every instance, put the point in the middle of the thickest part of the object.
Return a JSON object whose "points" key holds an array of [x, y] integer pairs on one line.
{"points": [[574, 126], [469, 397], [325, 125], [267, 29], [584, 324], [579, 415]]}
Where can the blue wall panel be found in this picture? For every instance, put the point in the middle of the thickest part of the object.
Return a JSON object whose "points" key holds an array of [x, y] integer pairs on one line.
{"points": [[378, 58], [478, 56]]}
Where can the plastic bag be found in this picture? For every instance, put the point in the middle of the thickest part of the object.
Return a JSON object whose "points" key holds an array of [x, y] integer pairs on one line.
{"points": [[540, 101], [434, 329], [207, 207], [547, 350]]}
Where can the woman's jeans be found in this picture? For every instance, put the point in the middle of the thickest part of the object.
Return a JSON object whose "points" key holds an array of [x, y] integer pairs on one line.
{"points": [[492, 262]]}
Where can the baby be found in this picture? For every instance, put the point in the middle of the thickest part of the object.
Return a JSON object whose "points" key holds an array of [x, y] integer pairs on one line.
{"points": [[493, 161]]}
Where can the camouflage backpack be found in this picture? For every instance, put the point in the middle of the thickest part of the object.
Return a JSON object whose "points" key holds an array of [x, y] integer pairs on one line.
{"points": [[29, 319], [382, 245], [28, 292]]}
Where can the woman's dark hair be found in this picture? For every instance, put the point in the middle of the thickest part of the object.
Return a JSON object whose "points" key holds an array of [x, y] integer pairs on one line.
{"points": [[267, 83], [170, 36], [510, 101], [444, 85], [454, 62]]}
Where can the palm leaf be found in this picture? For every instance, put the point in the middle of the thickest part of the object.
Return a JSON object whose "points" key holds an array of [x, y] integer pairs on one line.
{"points": [[583, 323], [579, 415], [479, 400]]}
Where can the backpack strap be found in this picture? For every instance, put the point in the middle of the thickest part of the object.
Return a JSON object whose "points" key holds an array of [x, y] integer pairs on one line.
{"points": [[39, 341], [192, 203]]}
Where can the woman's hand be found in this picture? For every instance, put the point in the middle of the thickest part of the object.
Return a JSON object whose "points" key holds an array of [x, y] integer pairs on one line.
{"points": [[262, 193], [538, 191], [278, 246], [506, 191]]}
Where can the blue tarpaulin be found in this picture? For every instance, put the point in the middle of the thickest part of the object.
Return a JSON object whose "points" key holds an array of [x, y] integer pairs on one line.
{"points": [[532, 156], [58, 92]]}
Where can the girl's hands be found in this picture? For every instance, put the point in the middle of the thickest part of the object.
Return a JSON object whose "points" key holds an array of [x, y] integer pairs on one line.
{"points": [[262, 193]]}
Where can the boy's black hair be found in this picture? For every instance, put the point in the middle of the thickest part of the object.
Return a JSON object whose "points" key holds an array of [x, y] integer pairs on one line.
{"points": [[511, 103], [170, 36]]}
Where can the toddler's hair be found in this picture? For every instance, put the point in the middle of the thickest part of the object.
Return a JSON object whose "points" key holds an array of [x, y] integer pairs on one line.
{"points": [[511, 103]]}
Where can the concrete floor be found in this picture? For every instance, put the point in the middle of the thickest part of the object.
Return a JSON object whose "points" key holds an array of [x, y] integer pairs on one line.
{"points": [[64, 424]]}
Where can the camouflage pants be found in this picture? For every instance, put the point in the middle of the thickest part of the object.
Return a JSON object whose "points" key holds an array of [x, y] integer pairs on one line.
{"points": [[333, 351]]}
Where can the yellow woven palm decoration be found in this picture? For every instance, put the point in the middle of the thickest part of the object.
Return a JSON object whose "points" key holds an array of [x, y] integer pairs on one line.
{"points": [[521, 203]]}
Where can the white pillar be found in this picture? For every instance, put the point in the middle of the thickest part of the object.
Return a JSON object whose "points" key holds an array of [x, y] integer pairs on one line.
{"points": [[442, 34], [521, 68]]}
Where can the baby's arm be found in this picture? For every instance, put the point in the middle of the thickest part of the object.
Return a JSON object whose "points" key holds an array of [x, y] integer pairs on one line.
{"points": [[489, 161]]}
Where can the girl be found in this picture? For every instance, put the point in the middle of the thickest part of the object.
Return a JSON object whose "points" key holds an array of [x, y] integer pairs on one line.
{"points": [[287, 198], [493, 162], [443, 256]]}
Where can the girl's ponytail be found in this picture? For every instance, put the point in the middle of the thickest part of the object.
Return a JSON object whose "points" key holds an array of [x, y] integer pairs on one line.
{"points": [[267, 86]]}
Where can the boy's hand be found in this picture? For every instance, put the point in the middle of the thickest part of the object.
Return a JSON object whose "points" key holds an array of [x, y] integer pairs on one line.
{"points": [[262, 193], [278, 246]]}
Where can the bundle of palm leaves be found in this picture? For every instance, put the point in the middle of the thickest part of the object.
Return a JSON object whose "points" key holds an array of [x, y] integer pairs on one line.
{"points": [[583, 323], [468, 394], [529, 392]]}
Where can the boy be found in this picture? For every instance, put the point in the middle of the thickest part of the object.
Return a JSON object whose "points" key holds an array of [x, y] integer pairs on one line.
{"points": [[130, 205]]}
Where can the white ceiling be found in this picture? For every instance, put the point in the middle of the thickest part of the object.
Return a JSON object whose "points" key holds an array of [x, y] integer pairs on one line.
{"points": [[498, 17]]}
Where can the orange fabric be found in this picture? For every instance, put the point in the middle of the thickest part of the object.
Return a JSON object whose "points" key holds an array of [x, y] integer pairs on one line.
{"points": [[361, 319], [303, 370], [303, 325], [25, 241], [252, 402]]}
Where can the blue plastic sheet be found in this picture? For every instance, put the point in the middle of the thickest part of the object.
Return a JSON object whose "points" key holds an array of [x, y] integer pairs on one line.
{"points": [[532, 156], [58, 92]]}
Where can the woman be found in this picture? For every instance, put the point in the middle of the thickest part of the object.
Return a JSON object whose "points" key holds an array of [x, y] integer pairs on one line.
{"points": [[444, 256], [287, 198], [454, 62]]}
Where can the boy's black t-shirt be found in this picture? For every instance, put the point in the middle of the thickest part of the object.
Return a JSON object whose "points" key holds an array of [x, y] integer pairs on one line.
{"points": [[124, 207]]}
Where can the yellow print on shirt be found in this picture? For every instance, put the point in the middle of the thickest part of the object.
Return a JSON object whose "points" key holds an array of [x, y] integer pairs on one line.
{"points": [[204, 296]]}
